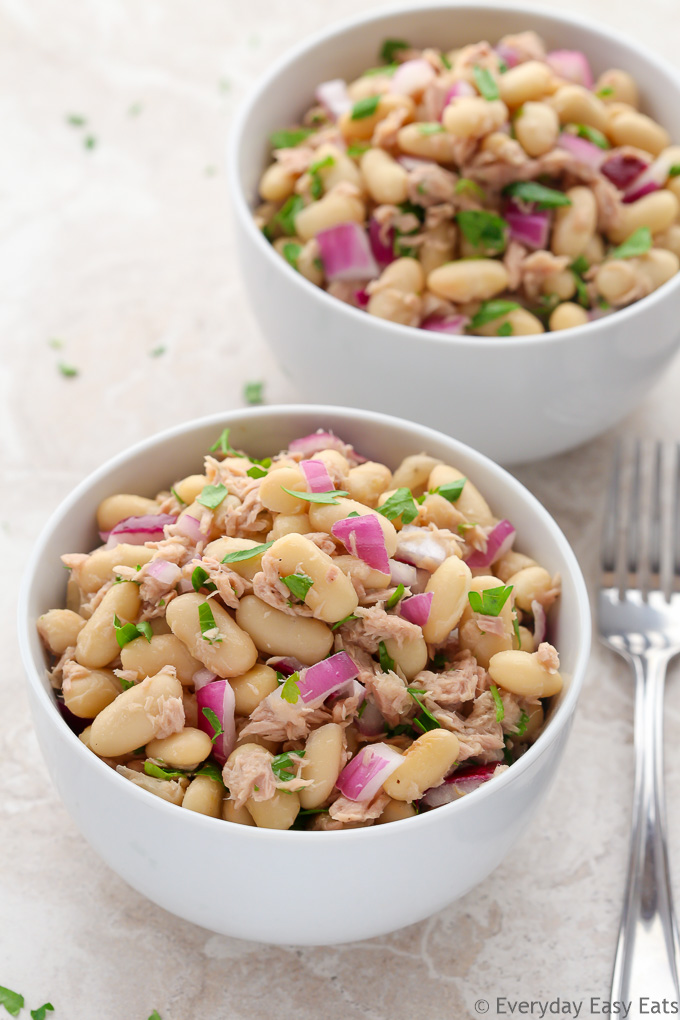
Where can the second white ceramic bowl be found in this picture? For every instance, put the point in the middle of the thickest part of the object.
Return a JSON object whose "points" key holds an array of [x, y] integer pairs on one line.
{"points": [[513, 398], [304, 888]]}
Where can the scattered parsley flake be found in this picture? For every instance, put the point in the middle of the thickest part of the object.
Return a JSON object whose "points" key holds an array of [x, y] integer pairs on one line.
{"points": [[76, 120], [285, 217], [152, 769], [592, 135], [486, 83], [445, 61], [209, 629], [210, 170], [214, 722], [465, 184], [67, 370], [400, 504], [145, 630], [126, 684], [639, 242], [352, 616], [40, 1012], [291, 252], [135, 109], [522, 724], [365, 107], [317, 497], [439, 660], [212, 771], [12, 1001], [212, 495], [490, 601], [532, 191], [505, 329], [298, 584], [256, 471], [491, 310], [246, 554], [289, 139], [127, 632], [89, 141], [425, 721], [175, 493], [290, 691], [385, 69], [55, 344], [156, 352], [224, 446], [283, 765], [515, 627], [252, 391], [391, 47], [498, 701], [386, 661], [578, 267], [357, 149], [395, 597], [200, 579], [451, 490], [606, 90], [674, 170], [483, 229], [426, 128]]}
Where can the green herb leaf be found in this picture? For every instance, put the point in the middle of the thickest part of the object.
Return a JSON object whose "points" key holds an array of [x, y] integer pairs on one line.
{"points": [[500, 707], [156, 352], [425, 721], [532, 191], [502, 67], [290, 691], [395, 597], [155, 1015], [175, 493], [400, 504], [157, 772], [465, 184], [347, 619], [445, 61], [291, 253], [252, 391], [289, 139], [89, 142], [515, 627], [385, 69], [298, 584], [125, 684], [317, 497], [125, 632], [674, 170], [214, 722], [246, 554], [451, 490], [483, 229], [69, 371], [212, 771], [76, 120], [505, 329], [317, 182], [439, 660], [578, 267], [386, 661], [485, 82], [522, 724], [283, 765], [41, 1011], [256, 471], [224, 446], [639, 242], [144, 628], [491, 310], [12, 1001], [135, 109], [592, 135], [200, 579], [212, 495], [491, 601], [606, 90], [285, 217], [425, 128], [357, 149], [209, 630], [365, 107], [391, 47]]}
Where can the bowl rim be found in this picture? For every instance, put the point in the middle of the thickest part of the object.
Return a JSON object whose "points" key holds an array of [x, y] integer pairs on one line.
{"points": [[558, 723], [597, 328]]}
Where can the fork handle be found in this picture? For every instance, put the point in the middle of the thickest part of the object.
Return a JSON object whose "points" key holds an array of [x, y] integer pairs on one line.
{"points": [[647, 953]]}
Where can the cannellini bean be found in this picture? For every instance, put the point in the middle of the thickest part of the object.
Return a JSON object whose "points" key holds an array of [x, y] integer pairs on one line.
{"points": [[527, 81], [190, 708], [276, 633], [233, 655], [322, 763], [335, 463], [309, 264], [366, 482], [182, 750], [473, 117], [368, 576], [469, 280], [673, 185], [204, 795], [560, 283], [483, 646], [277, 183], [536, 128], [425, 764], [231, 813], [59, 629], [253, 687], [615, 280], [362, 128], [343, 169], [386, 180], [449, 585], [511, 563], [669, 239], [117, 508], [190, 487], [274, 498], [279, 812], [244, 568], [529, 585], [395, 811], [289, 524], [439, 511], [323, 516], [414, 471], [410, 655], [593, 251], [534, 725], [149, 657], [521, 673], [470, 503], [135, 717], [658, 266], [99, 567], [575, 224], [335, 207], [438, 247], [521, 322], [403, 274], [331, 596], [567, 316], [171, 790], [86, 696], [439, 146], [526, 640], [96, 645], [577, 105], [618, 87], [369, 85], [639, 130], [657, 211]]}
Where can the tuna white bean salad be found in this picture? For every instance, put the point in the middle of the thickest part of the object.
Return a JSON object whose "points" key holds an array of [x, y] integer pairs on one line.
{"points": [[311, 640], [488, 190]]}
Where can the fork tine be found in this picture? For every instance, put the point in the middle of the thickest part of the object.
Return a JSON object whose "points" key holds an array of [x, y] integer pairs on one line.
{"points": [[612, 514], [633, 521], [655, 519]]}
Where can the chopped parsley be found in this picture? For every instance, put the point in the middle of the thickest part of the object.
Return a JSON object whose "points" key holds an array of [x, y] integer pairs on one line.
{"points": [[89, 141], [606, 90], [483, 229], [490, 601], [505, 329], [224, 446], [365, 107], [256, 471], [127, 632], [246, 554], [157, 352], [152, 769], [498, 701], [285, 217], [252, 391], [490, 310], [347, 619], [289, 139], [486, 83], [317, 183], [395, 597], [317, 497], [450, 490], [591, 134], [425, 721], [426, 128], [126, 684], [41, 1011], [578, 267], [12, 1001], [155, 1015], [291, 253], [68, 371], [385, 69], [298, 584], [212, 495], [532, 191], [214, 722], [135, 109], [515, 627], [357, 149], [465, 184], [283, 765], [445, 61], [200, 579], [439, 660], [674, 170], [175, 493], [391, 47], [386, 661], [55, 344], [211, 771], [400, 504], [76, 120], [639, 242], [522, 724], [209, 629], [290, 691]]}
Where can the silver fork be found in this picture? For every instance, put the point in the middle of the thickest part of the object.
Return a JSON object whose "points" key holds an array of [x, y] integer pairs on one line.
{"points": [[639, 617]]}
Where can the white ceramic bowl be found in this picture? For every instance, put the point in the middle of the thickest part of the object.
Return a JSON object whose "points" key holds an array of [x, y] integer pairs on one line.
{"points": [[295, 887], [552, 391]]}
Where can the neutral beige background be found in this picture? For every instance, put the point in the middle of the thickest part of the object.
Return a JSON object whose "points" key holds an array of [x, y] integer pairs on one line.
{"points": [[123, 248]]}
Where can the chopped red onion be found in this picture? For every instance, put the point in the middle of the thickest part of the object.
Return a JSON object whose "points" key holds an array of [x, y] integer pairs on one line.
{"points": [[285, 664], [462, 781], [185, 585], [583, 151], [454, 325], [458, 89], [318, 681], [315, 443], [362, 298], [189, 526], [167, 573], [137, 530], [639, 191], [219, 698], [371, 721], [363, 776], [317, 476], [498, 542], [412, 77], [334, 98], [539, 622], [572, 65], [507, 54], [653, 177], [622, 168], [383, 251], [417, 608], [403, 573], [352, 689], [598, 313], [528, 228], [202, 677], [346, 253], [363, 537]]}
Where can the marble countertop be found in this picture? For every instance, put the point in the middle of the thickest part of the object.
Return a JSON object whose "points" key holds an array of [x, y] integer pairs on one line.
{"points": [[116, 242]]}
